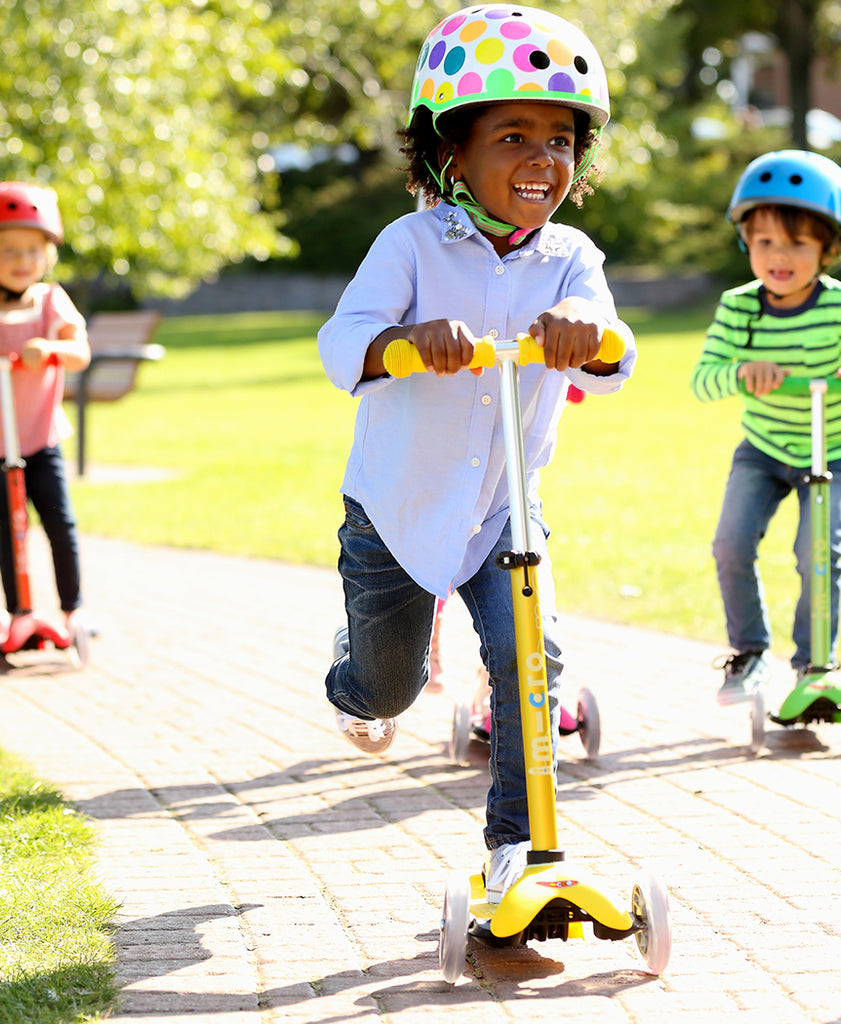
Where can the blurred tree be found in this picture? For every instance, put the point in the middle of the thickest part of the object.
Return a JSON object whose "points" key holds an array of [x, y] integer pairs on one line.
{"points": [[804, 29], [126, 109]]}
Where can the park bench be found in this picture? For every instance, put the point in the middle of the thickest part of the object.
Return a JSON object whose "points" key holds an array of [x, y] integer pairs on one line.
{"points": [[119, 343]]}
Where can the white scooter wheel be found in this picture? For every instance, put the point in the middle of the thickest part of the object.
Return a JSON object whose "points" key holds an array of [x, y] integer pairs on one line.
{"points": [[452, 939], [650, 906], [80, 650], [460, 738], [589, 722], [757, 720]]}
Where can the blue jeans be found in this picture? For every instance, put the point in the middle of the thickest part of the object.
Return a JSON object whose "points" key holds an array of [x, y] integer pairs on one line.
{"points": [[389, 629], [756, 486], [46, 488]]}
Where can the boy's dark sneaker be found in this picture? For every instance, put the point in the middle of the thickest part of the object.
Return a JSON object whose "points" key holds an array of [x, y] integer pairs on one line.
{"points": [[743, 673]]}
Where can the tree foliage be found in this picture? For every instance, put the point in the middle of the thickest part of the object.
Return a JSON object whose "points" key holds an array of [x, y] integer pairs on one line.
{"points": [[153, 121], [125, 108]]}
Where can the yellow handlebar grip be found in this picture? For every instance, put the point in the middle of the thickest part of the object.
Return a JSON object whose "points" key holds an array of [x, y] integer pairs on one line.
{"points": [[612, 347], [530, 351], [401, 358], [611, 350]]}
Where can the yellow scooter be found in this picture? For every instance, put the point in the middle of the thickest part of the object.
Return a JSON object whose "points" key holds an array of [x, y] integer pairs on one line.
{"points": [[553, 898]]}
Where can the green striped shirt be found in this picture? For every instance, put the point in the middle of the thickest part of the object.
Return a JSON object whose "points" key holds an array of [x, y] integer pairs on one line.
{"points": [[806, 341]]}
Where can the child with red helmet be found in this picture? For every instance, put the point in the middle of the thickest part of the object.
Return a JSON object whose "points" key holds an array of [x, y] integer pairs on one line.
{"points": [[42, 327], [507, 108]]}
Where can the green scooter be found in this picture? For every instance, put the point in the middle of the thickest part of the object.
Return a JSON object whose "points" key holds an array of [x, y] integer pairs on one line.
{"points": [[817, 697]]}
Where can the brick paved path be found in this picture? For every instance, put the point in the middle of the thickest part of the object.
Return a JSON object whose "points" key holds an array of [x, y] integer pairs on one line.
{"points": [[269, 873]]}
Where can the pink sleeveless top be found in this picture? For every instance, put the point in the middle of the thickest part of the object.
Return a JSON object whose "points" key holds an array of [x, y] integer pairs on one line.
{"points": [[40, 418]]}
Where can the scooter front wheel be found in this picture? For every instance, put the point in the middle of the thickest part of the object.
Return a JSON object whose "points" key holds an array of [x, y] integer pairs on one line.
{"points": [[452, 939], [650, 908], [589, 722]]}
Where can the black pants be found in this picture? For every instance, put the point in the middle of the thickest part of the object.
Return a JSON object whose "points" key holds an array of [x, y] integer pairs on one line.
{"points": [[46, 488]]}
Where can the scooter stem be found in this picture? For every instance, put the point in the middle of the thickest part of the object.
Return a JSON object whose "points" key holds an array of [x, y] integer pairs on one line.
{"points": [[528, 627]]}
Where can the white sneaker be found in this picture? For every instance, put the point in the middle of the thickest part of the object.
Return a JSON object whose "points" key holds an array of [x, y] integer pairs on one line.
{"points": [[373, 737], [504, 866]]}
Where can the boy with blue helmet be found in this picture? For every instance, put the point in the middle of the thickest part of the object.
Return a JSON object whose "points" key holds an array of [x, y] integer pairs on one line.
{"points": [[787, 210]]}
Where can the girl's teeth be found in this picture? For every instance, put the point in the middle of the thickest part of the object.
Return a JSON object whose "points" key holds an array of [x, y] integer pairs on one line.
{"points": [[531, 193]]}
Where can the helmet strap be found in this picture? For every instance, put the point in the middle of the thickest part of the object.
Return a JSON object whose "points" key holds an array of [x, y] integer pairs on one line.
{"points": [[9, 296], [459, 194]]}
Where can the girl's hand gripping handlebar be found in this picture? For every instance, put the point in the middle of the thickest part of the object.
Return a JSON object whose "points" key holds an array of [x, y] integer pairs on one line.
{"points": [[401, 358]]}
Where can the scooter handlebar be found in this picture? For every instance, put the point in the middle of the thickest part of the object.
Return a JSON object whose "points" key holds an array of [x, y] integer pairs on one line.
{"points": [[401, 358], [801, 385], [16, 363]]}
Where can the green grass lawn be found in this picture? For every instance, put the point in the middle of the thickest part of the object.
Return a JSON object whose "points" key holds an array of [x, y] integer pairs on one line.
{"points": [[257, 438], [56, 960]]}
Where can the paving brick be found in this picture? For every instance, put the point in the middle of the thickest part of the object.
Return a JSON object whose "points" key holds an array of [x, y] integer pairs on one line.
{"points": [[268, 872]]}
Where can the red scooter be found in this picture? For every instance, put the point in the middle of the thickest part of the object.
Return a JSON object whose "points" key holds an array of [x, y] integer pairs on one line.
{"points": [[27, 631]]}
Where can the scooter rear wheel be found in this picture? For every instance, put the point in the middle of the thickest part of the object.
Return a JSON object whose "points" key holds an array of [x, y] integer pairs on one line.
{"points": [[589, 722], [452, 939], [650, 906], [80, 650], [460, 738], [757, 720]]}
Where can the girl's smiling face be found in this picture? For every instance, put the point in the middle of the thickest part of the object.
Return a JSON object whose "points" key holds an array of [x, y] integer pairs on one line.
{"points": [[23, 257], [518, 162], [787, 265]]}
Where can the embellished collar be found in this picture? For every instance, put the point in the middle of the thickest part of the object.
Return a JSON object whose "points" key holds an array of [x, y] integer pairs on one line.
{"points": [[456, 225]]}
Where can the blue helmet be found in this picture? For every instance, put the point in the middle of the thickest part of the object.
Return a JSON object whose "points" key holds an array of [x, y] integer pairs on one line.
{"points": [[790, 177]]}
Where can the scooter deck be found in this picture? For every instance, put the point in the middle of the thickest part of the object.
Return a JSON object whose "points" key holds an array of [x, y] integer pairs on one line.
{"points": [[28, 632], [572, 892], [817, 698]]}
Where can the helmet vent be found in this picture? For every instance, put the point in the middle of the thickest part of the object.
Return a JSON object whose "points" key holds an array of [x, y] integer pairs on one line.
{"points": [[539, 59], [796, 179], [765, 176], [580, 65]]}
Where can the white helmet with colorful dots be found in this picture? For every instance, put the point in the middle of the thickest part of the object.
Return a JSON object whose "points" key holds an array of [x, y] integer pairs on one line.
{"points": [[499, 52]]}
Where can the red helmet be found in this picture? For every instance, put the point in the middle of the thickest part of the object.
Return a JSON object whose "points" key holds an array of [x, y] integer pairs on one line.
{"points": [[29, 206]]}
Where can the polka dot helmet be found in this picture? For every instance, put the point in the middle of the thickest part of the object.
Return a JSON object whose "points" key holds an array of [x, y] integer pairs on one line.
{"points": [[789, 177], [29, 206], [499, 52]]}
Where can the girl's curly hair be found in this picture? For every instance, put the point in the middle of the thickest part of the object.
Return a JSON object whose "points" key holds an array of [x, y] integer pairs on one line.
{"points": [[421, 142]]}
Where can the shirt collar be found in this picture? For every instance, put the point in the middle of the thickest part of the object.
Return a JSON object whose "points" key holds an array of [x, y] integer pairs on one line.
{"points": [[456, 224]]}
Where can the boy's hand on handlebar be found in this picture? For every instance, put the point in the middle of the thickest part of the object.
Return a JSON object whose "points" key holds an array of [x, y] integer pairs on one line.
{"points": [[761, 378], [445, 346], [566, 342]]}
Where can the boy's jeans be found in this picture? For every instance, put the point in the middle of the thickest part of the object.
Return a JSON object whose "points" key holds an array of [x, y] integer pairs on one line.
{"points": [[756, 486], [390, 625]]}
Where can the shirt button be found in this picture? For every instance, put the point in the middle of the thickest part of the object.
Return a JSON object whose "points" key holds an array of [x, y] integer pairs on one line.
{"points": [[499, 270], [493, 333], [475, 462], [486, 399], [477, 529]]}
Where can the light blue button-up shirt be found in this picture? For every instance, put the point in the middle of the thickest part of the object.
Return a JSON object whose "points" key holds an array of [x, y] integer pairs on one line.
{"points": [[428, 458]]}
